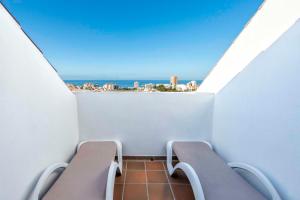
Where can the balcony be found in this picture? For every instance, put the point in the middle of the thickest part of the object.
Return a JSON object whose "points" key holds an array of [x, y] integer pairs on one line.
{"points": [[249, 113]]}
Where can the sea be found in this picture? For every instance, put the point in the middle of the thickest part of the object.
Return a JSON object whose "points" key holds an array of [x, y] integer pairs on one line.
{"points": [[126, 83]]}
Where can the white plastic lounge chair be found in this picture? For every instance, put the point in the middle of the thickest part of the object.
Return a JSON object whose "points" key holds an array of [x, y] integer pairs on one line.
{"points": [[89, 176], [210, 177]]}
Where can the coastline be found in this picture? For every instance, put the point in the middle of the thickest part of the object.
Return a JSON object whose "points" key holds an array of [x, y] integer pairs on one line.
{"points": [[125, 83], [133, 85]]}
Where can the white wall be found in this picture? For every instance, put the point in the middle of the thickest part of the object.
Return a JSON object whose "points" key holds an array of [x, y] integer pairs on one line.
{"points": [[144, 122], [257, 115], [38, 116], [267, 25]]}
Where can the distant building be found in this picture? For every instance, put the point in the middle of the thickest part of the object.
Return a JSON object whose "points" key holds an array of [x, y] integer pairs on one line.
{"points": [[192, 85], [110, 87], [148, 87], [136, 85], [72, 87], [88, 86], [181, 87], [173, 81]]}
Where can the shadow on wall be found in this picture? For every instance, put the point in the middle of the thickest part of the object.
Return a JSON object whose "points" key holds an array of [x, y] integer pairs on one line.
{"points": [[256, 116]]}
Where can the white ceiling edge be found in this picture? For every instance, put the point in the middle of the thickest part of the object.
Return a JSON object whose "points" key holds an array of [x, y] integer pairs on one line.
{"points": [[272, 19]]}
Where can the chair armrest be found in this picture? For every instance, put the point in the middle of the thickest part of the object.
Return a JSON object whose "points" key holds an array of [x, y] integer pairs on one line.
{"points": [[119, 154], [114, 167], [43, 178], [111, 180], [187, 169], [259, 175]]}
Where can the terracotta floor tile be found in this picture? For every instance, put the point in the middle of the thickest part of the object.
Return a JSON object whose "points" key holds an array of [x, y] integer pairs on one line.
{"points": [[135, 192], [135, 187], [160, 192], [118, 190], [135, 165], [183, 192], [179, 177], [135, 177], [157, 177], [154, 165], [120, 179]]}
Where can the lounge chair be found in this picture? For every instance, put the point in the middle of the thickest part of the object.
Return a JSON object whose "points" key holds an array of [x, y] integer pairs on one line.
{"points": [[89, 176], [211, 178]]}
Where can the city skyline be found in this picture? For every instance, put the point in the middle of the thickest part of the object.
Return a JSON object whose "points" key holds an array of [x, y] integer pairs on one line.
{"points": [[134, 40], [173, 85]]}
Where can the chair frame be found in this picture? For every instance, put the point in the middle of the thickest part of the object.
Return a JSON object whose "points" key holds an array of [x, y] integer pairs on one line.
{"points": [[195, 181], [115, 168]]}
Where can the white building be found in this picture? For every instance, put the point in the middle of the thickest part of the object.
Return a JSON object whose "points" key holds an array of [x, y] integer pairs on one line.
{"points": [[181, 87], [192, 85], [109, 87], [148, 87], [173, 81]]}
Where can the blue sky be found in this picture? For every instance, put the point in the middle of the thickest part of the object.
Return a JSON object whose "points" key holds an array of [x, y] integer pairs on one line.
{"points": [[133, 39]]}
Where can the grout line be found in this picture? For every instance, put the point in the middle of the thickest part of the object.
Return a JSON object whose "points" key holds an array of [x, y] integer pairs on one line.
{"points": [[146, 160], [169, 183], [138, 160], [156, 170], [123, 190], [152, 183], [180, 183], [146, 181]]}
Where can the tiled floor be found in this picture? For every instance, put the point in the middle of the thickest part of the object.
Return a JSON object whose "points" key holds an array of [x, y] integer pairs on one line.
{"points": [[149, 180]]}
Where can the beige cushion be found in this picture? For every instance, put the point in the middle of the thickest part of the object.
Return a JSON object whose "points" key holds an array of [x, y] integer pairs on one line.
{"points": [[218, 180], [86, 176]]}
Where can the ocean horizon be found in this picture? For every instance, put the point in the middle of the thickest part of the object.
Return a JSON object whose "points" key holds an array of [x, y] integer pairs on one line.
{"points": [[126, 83]]}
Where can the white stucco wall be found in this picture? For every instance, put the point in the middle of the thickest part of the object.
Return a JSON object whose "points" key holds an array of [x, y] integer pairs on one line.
{"points": [[38, 115], [257, 115], [144, 122], [265, 27]]}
